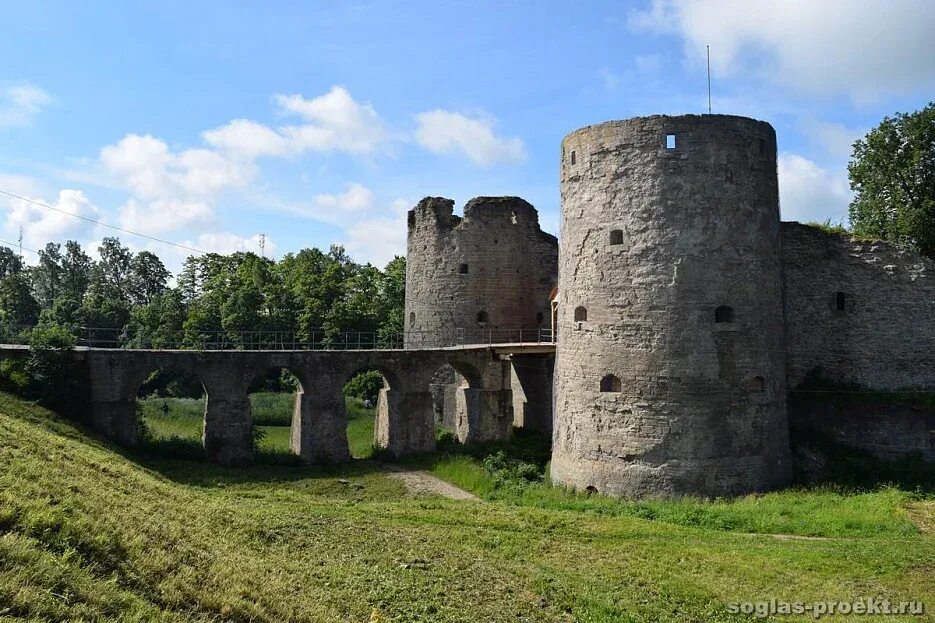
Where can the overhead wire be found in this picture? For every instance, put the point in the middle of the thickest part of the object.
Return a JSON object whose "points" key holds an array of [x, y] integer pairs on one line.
{"points": [[102, 224]]}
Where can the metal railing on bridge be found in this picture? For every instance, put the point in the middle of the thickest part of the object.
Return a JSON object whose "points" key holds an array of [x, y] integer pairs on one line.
{"points": [[102, 337]]}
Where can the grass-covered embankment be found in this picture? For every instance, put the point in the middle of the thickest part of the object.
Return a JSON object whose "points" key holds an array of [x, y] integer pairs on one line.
{"points": [[89, 532]]}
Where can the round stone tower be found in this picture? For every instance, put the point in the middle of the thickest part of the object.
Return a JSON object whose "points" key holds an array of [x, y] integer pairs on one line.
{"points": [[482, 277], [670, 371]]}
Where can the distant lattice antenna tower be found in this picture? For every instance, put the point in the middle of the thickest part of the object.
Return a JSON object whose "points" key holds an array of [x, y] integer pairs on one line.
{"points": [[20, 240], [262, 245]]}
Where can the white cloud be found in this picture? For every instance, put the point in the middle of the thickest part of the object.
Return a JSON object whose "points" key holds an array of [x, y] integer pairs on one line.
{"points": [[335, 208], [20, 104], [445, 132], [227, 242], [864, 48], [163, 215], [41, 225], [336, 122], [379, 240], [170, 190], [807, 192], [834, 139], [355, 199], [248, 139], [147, 167]]}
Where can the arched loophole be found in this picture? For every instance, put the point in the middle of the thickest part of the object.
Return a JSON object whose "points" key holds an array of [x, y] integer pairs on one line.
{"points": [[724, 313], [581, 314], [591, 489], [482, 317], [756, 385], [611, 383], [412, 318], [616, 236]]}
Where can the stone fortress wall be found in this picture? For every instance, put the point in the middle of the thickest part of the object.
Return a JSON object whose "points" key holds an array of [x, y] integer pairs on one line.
{"points": [[670, 374], [860, 310], [484, 277], [859, 320], [695, 330]]}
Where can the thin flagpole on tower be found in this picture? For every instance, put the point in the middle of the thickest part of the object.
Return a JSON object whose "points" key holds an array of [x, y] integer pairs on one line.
{"points": [[708, 50]]}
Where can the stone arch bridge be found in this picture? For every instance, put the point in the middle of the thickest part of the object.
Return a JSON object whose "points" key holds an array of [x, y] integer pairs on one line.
{"points": [[405, 422]]}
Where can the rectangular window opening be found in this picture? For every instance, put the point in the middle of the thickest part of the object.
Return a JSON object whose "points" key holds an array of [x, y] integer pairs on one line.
{"points": [[572, 156], [670, 141]]}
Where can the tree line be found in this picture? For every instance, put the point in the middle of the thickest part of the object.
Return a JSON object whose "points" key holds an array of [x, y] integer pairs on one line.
{"points": [[236, 298]]}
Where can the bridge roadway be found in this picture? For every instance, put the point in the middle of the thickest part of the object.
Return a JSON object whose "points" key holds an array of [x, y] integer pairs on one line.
{"points": [[406, 412]]}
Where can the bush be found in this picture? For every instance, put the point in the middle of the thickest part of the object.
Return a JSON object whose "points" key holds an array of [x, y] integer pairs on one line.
{"points": [[508, 471], [53, 375], [172, 383], [365, 385]]}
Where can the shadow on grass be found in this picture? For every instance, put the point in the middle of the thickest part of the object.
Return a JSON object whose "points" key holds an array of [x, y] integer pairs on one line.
{"points": [[183, 461], [820, 461]]}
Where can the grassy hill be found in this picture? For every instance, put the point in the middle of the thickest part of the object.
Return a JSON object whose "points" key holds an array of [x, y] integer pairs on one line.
{"points": [[89, 532]]}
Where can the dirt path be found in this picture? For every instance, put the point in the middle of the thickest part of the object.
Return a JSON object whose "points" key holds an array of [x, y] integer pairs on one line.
{"points": [[423, 483]]}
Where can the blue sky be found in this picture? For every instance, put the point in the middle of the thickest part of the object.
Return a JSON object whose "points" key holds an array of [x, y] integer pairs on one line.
{"points": [[209, 123]]}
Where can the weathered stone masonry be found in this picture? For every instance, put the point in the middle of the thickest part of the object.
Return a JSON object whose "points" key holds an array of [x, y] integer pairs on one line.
{"points": [[669, 373], [470, 279], [484, 277], [693, 327], [860, 316], [405, 419]]}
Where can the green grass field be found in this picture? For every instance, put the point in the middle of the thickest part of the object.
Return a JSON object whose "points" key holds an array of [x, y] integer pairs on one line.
{"points": [[177, 423], [89, 531]]}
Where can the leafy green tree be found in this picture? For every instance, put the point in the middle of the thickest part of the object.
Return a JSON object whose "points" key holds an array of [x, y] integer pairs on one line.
{"points": [[316, 282], [365, 385], [64, 311], [53, 374], [46, 276], [111, 275], [393, 299], [10, 262], [892, 172], [18, 307], [158, 323], [76, 271], [147, 278], [105, 308]]}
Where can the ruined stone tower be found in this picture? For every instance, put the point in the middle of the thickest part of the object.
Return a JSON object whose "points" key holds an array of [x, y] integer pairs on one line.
{"points": [[481, 277], [670, 371]]}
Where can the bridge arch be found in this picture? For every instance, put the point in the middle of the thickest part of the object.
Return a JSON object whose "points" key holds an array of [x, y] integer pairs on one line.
{"points": [[274, 396], [370, 391], [171, 402], [460, 400]]}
